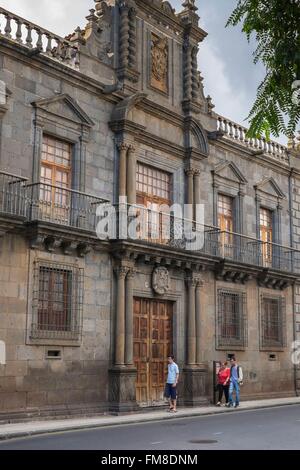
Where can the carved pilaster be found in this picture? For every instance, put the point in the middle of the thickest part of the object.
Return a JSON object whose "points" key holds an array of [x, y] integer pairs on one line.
{"points": [[129, 317], [123, 148], [131, 175], [124, 35], [127, 42], [121, 273], [191, 325], [199, 286], [195, 77], [132, 38], [187, 69]]}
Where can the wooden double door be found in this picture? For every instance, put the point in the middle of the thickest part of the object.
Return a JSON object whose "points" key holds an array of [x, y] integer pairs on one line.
{"points": [[152, 342]]}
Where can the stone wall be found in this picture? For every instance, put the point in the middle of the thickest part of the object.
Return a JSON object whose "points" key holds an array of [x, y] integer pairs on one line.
{"points": [[30, 380]]}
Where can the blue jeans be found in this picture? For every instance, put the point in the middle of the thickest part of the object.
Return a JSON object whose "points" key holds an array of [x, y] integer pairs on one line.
{"points": [[234, 386]]}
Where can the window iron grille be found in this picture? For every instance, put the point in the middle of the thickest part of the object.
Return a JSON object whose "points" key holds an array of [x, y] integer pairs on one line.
{"points": [[57, 301], [273, 323], [232, 319]]}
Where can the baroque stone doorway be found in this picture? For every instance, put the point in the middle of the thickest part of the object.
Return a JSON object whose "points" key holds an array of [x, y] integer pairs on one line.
{"points": [[152, 343]]}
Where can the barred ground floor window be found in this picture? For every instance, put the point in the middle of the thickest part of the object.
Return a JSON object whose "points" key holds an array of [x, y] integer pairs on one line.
{"points": [[273, 324], [57, 301], [231, 319]]}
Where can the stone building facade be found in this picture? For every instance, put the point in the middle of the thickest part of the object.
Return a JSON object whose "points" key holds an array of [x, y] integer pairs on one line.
{"points": [[110, 117]]}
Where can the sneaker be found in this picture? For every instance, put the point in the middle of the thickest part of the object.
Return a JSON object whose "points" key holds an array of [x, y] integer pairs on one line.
{"points": [[236, 405], [219, 403]]}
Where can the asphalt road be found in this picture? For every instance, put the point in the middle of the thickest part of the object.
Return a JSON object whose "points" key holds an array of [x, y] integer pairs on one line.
{"points": [[273, 428]]}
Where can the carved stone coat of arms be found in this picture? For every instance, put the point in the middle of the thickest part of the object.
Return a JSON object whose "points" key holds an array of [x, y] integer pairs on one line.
{"points": [[161, 280], [159, 63]]}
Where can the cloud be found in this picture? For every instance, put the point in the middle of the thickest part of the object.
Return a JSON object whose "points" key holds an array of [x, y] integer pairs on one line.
{"points": [[230, 102], [59, 16], [225, 57]]}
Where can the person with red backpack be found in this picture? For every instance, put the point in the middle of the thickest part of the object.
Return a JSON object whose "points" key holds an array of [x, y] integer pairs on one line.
{"points": [[236, 380]]}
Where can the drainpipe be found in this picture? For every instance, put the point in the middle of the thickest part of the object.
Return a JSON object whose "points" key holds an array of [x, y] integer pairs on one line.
{"points": [[293, 287]]}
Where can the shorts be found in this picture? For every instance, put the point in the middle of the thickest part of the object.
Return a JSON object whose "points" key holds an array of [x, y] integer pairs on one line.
{"points": [[170, 391]]}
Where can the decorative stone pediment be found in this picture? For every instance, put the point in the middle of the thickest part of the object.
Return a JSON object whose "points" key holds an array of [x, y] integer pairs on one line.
{"points": [[270, 187], [196, 137], [122, 109], [164, 6], [229, 171], [66, 108]]}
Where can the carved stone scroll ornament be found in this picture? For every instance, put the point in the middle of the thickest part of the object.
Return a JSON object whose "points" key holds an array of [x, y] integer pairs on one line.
{"points": [[161, 280]]}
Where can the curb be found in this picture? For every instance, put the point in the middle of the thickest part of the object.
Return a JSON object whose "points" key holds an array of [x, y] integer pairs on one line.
{"points": [[76, 427]]}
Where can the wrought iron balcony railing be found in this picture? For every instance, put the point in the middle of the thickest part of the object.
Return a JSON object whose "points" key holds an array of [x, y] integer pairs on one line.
{"points": [[138, 223], [62, 206], [12, 194]]}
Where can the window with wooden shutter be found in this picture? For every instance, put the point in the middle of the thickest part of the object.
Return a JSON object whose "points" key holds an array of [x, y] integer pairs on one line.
{"points": [[266, 235], [225, 223], [154, 189], [55, 178]]}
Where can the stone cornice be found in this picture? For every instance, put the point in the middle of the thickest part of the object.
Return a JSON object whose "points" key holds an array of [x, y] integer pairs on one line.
{"points": [[161, 112], [140, 135], [58, 70]]}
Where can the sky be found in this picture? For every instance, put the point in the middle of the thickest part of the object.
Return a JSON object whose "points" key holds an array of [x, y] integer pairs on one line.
{"points": [[225, 57]]}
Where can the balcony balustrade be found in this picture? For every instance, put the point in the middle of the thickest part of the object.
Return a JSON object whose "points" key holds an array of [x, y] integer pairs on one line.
{"points": [[38, 40], [238, 133]]}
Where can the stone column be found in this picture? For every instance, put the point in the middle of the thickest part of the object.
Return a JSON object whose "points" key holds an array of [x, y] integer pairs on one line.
{"points": [[120, 317], [122, 169], [197, 195], [122, 376], [129, 318], [195, 371], [131, 175], [191, 330], [190, 193], [199, 285]]}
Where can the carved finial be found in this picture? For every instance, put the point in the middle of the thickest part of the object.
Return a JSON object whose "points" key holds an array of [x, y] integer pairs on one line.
{"points": [[210, 105], [92, 15], [189, 5]]}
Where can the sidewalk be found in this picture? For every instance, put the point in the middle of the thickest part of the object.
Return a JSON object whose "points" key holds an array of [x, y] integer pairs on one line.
{"points": [[9, 431]]}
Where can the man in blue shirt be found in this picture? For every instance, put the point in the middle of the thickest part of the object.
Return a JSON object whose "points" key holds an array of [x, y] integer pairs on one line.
{"points": [[171, 385], [236, 379]]}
